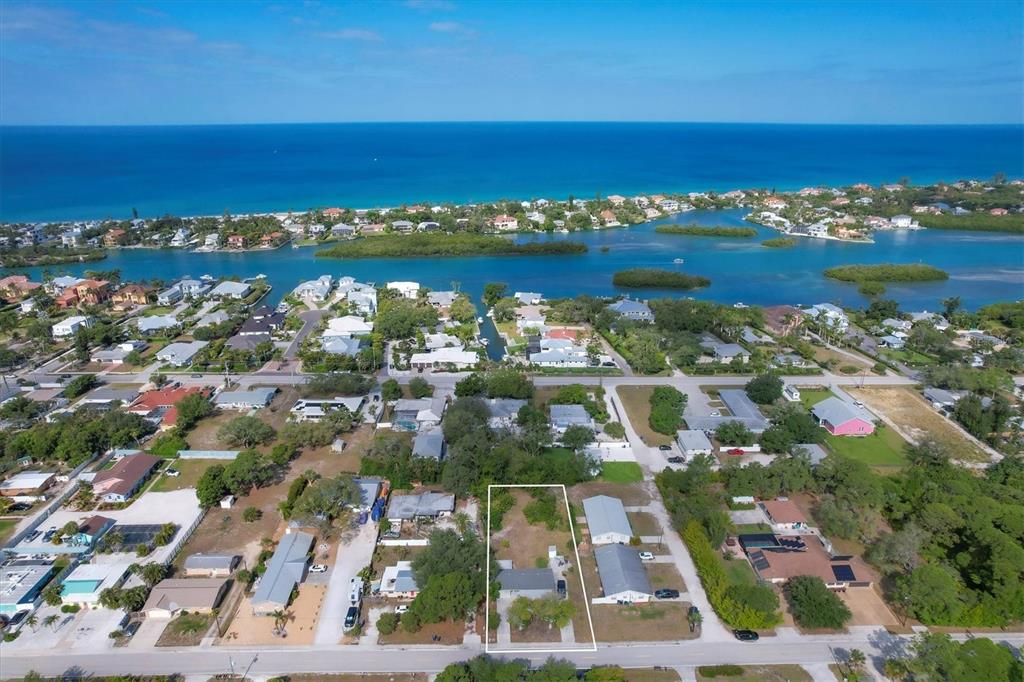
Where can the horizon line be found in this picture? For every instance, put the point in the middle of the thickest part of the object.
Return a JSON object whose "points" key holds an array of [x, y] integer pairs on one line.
{"points": [[1019, 124]]}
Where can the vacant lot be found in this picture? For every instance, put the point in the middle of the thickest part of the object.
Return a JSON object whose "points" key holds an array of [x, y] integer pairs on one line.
{"points": [[357, 677], [204, 435], [621, 472], [641, 622], [7, 527], [759, 673], [643, 523], [450, 632], [636, 400], [303, 614], [665, 576], [186, 630], [839, 359], [884, 450], [915, 417], [631, 494], [191, 470]]}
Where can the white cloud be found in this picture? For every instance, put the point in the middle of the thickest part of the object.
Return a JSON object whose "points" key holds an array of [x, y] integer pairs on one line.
{"points": [[363, 34], [451, 27]]}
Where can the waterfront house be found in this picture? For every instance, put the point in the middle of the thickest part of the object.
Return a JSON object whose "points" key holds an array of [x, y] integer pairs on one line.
{"points": [[16, 287], [170, 295], [236, 241], [128, 297], [632, 310], [406, 289], [528, 297], [441, 299], [314, 290], [231, 289], [401, 226], [505, 223]]}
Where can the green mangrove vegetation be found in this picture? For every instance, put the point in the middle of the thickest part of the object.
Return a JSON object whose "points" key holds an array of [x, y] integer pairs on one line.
{"points": [[699, 231], [887, 272], [653, 278], [446, 245], [975, 222], [779, 242]]}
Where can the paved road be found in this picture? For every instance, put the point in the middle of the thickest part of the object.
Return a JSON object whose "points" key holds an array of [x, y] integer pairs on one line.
{"points": [[310, 319], [279, 660]]}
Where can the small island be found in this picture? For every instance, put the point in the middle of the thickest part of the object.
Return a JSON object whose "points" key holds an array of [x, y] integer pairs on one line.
{"points": [[446, 245], [779, 242], [653, 278], [698, 231], [887, 272]]}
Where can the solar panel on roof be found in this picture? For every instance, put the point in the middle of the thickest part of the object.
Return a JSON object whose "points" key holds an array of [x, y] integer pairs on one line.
{"points": [[843, 573]]}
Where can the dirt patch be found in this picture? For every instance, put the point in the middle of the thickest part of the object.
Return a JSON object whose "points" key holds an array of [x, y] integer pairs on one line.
{"points": [[249, 629], [538, 631], [762, 673], [186, 630], [450, 632], [524, 543], [665, 576], [204, 435], [631, 494], [868, 607], [916, 418], [636, 400], [643, 523], [655, 622]]}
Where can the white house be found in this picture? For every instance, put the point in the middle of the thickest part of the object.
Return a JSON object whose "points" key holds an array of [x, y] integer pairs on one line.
{"points": [[506, 223], [445, 357], [623, 576], [406, 289], [348, 326], [70, 326], [229, 289], [607, 520], [693, 442], [314, 290]]}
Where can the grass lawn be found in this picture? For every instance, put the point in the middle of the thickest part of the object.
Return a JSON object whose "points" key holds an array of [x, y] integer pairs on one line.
{"points": [[810, 397], [641, 622], [621, 472], [745, 528], [191, 470], [651, 675], [739, 572], [185, 630], [883, 450], [760, 673], [636, 400], [643, 523], [7, 527], [665, 576]]}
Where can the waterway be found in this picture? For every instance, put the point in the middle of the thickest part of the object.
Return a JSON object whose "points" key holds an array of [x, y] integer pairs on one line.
{"points": [[983, 267]]}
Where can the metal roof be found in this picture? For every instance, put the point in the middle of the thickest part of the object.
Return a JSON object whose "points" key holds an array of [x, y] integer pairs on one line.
{"points": [[691, 439], [284, 570], [527, 579], [606, 515], [837, 411], [621, 570], [424, 504], [429, 443], [209, 562]]}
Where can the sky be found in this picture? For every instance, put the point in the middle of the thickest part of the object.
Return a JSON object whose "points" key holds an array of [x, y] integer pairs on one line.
{"points": [[185, 62]]}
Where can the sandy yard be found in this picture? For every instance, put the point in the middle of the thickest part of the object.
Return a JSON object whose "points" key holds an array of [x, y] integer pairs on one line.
{"points": [[916, 418], [247, 629], [868, 607], [653, 622], [631, 494]]}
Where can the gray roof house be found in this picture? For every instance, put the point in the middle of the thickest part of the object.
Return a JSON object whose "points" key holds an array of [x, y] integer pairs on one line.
{"points": [[285, 570], [211, 565], [607, 520], [814, 452], [532, 583], [415, 414], [216, 317], [623, 576], [180, 353], [369, 489], [504, 411], [564, 416], [156, 323], [742, 408], [341, 345], [429, 443], [940, 398], [424, 505], [252, 399], [632, 310], [693, 442], [441, 299], [229, 289]]}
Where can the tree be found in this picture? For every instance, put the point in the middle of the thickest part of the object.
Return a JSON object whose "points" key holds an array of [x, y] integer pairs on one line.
{"points": [[419, 388], [492, 292], [50, 620], [938, 657], [814, 605], [52, 595], [472, 385], [667, 405], [327, 497], [734, 433], [614, 430], [931, 594], [576, 437], [191, 409], [152, 573], [387, 623], [390, 390], [211, 488], [462, 310], [764, 389], [950, 306], [520, 613], [246, 431], [251, 514]]}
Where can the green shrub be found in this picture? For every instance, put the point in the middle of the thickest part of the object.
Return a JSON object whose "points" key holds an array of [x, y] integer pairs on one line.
{"points": [[814, 605], [387, 623], [727, 670]]}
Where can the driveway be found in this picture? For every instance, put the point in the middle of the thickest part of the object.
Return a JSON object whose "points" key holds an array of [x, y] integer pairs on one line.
{"points": [[354, 554], [310, 320]]}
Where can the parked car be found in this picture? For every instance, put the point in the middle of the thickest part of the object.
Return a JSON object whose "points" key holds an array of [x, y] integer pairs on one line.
{"points": [[173, 473], [351, 617], [676, 460], [646, 556], [716, 413], [746, 635], [665, 448], [666, 594], [318, 568], [561, 587], [731, 542], [401, 608], [736, 451], [197, 376]]}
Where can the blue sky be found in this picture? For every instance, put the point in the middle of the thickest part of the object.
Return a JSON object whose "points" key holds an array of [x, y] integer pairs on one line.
{"points": [[100, 63]]}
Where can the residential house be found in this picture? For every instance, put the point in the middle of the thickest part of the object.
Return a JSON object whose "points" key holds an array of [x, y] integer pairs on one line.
{"points": [[152, 324], [129, 296], [505, 223], [814, 452], [158, 406], [180, 353], [940, 398], [348, 326], [236, 241], [607, 520], [445, 358], [122, 480], [285, 570], [86, 582], [401, 226], [413, 507], [406, 289], [784, 515], [397, 582], [90, 531], [114, 237], [892, 341], [504, 412], [623, 576], [417, 414], [442, 299], [313, 409], [16, 287], [741, 409], [214, 318], [528, 297], [251, 399], [21, 585], [173, 596], [564, 416], [231, 289], [726, 353], [170, 295], [316, 290], [692, 443], [429, 443], [211, 565], [532, 583], [70, 326], [638, 311], [27, 483], [841, 418], [830, 316], [341, 345], [571, 356], [776, 559]]}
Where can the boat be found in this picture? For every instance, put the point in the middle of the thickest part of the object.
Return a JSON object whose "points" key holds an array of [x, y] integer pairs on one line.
{"points": [[479, 320], [678, 261], [485, 341]]}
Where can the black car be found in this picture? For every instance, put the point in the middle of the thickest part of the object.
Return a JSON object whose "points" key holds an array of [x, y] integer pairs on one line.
{"points": [[666, 594], [351, 617], [665, 448], [560, 585], [676, 460], [745, 635]]}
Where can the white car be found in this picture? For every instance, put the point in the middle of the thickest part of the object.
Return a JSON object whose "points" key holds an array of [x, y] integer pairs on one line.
{"points": [[716, 413], [401, 608], [318, 568], [646, 556], [173, 473]]}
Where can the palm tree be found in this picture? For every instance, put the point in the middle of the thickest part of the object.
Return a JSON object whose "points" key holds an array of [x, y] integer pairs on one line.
{"points": [[857, 660], [50, 620], [694, 617], [280, 620], [33, 622]]}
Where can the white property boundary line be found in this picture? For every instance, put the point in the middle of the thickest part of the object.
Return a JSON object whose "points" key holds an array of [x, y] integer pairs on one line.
{"points": [[579, 570]]}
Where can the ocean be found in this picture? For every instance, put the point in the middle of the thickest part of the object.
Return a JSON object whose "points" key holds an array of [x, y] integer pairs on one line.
{"points": [[64, 173]]}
